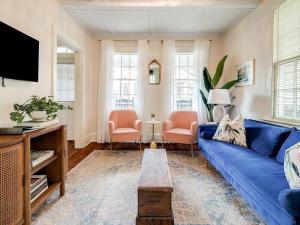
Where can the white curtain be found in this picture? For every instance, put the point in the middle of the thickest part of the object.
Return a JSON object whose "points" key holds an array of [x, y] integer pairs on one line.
{"points": [[143, 60], [168, 78], [202, 51], [105, 89]]}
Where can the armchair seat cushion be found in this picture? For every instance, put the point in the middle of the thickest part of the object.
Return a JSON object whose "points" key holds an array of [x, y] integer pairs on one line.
{"points": [[125, 134], [180, 131], [125, 130], [179, 135]]}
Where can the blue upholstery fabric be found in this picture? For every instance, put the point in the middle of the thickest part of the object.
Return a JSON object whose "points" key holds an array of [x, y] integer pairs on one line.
{"points": [[265, 138], [207, 131], [258, 178], [290, 200], [292, 139]]}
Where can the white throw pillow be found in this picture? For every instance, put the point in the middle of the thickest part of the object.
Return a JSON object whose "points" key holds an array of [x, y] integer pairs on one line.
{"points": [[231, 131], [292, 166]]}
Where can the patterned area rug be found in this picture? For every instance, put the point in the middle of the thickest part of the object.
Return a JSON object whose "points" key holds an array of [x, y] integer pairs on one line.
{"points": [[101, 190]]}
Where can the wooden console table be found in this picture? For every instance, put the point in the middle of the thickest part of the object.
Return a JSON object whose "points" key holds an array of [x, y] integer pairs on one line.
{"points": [[16, 171], [155, 190]]}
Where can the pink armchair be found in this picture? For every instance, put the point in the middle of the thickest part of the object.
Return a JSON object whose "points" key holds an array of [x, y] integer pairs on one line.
{"points": [[124, 126], [181, 127]]}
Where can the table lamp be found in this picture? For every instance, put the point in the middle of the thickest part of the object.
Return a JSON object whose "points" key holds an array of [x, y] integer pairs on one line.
{"points": [[219, 98]]}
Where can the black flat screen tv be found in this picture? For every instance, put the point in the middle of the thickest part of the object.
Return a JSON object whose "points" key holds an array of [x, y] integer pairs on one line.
{"points": [[19, 55]]}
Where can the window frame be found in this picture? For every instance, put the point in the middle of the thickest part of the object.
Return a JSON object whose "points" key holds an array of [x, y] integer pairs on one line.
{"points": [[194, 80], [119, 95], [275, 71], [276, 66]]}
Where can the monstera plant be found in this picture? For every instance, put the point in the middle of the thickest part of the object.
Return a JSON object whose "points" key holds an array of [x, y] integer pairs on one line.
{"points": [[211, 82]]}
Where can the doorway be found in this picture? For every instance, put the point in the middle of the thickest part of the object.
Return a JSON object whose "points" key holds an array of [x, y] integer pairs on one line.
{"points": [[66, 71]]}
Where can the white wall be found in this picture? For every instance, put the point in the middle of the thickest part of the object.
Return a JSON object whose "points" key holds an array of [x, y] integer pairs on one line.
{"points": [[252, 38], [44, 20]]}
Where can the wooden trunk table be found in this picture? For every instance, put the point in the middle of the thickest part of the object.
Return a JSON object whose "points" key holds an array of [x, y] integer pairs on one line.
{"points": [[155, 190]]}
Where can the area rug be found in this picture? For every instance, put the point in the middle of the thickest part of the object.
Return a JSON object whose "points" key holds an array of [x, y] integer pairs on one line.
{"points": [[102, 190]]}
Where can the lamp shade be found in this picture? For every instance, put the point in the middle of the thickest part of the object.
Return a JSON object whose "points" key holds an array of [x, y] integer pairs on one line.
{"points": [[218, 97]]}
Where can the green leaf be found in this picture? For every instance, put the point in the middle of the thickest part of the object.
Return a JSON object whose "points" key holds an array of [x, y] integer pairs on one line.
{"points": [[229, 84], [204, 99], [219, 72], [207, 80]]}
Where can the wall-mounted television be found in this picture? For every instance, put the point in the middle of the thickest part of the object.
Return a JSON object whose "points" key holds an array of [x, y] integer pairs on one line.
{"points": [[19, 55]]}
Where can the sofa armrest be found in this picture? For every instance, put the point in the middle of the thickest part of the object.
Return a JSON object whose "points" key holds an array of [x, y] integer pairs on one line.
{"points": [[167, 125], [207, 131], [111, 126], [137, 125], [194, 127], [289, 199]]}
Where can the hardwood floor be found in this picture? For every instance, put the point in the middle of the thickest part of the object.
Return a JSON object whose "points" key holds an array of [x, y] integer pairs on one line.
{"points": [[75, 156]]}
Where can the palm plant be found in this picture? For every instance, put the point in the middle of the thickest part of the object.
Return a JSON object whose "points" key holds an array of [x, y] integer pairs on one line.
{"points": [[211, 83]]}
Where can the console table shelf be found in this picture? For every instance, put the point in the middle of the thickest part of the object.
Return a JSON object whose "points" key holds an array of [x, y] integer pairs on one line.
{"points": [[43, 164], [41, 199], [15, 153]]}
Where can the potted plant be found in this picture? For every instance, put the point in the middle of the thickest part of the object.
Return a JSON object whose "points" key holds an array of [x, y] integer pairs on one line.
{"points": [[152, 115], [37, 108], [211, 83]]}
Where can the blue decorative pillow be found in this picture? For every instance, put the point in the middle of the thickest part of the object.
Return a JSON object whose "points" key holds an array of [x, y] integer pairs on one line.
{"points": [[265, 138], [206, 135], [292, 139], [289, 199]]}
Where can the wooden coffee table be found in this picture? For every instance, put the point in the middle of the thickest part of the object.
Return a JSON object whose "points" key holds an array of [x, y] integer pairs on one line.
{"points": [[155, 190]]}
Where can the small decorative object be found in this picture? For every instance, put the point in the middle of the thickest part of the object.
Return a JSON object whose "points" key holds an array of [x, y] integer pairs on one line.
{"points": [[211, 83], [154, 72], [245, 73], [38, 109], [153, 145], [152, 116], [219, 98], [292, 166]]}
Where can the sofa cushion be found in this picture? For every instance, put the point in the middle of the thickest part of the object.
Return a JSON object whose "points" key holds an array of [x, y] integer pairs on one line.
{"points": [[231, 131], [290, 200], [292, 139], [259, 179], [265, 138], [207, 131]]}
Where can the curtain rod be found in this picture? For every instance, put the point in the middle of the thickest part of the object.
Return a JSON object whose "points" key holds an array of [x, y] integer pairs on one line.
{"points": [[157, 40]]}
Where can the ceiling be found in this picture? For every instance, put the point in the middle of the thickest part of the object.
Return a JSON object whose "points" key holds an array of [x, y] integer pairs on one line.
{"points": [[153, 18]]}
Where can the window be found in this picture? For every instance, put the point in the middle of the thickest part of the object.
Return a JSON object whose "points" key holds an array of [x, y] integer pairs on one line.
{"points": [[65, 82], [125, 80], [185, 82], [61, 49], [287, 61]]}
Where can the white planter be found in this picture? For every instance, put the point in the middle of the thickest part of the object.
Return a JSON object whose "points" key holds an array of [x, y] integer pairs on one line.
{"points": [[38, 115]]}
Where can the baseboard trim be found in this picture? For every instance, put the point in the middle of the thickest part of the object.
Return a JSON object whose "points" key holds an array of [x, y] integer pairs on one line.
{"points": [[89, 138]]}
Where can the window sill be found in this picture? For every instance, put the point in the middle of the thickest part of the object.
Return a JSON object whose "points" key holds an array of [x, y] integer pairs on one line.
{"points": [[284, 122]]}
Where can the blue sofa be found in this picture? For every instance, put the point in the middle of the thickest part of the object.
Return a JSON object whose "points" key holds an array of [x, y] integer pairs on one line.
{"points": [[257, 172]]}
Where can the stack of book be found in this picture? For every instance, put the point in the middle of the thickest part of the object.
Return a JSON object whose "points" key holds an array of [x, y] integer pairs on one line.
{"points": [[37, 123], [38, 185], [40, 156]]}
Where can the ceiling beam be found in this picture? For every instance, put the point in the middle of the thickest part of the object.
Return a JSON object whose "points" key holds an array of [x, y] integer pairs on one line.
{"points": [[121, 4]]}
